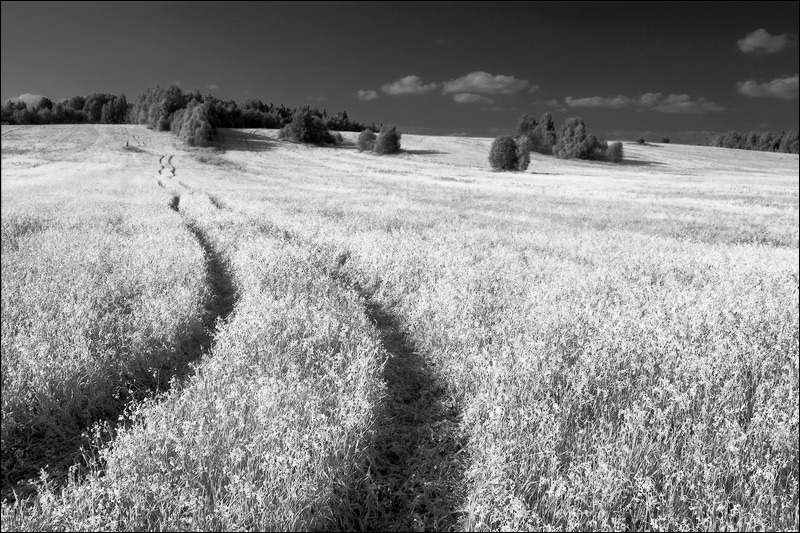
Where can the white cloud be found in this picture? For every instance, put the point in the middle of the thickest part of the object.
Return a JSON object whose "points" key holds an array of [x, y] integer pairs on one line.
{"points": [[683, 104], [484, 83], [612, 102], [760, 41], [30, 99], [472, 98], [783, 88], [673, 103], [407, 85], [212, 87], [369, 94]]}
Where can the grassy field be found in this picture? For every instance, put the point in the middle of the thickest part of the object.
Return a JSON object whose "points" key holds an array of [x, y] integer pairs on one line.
{"points": [[318, 338]]}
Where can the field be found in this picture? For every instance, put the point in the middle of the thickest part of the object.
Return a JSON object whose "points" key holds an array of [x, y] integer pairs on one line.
{"points": [[269, 335]]}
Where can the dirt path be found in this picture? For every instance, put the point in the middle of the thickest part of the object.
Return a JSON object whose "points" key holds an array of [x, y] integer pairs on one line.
{"points": [[416, 468], [58, 453]]}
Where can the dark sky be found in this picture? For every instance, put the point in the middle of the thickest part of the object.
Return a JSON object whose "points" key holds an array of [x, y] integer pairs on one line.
{"points": [[473, 68]]}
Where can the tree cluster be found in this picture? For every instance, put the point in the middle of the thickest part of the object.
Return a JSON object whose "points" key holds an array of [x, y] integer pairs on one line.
{"points": [[570, 142], [97, 108], [386, 142], [189, 115], [785, 141]]}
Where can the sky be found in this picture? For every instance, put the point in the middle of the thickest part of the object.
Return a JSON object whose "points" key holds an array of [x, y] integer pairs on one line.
{"points": [[459, 68]]}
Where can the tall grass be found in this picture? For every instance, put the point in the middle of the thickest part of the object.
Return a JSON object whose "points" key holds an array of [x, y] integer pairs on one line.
{"points": [[271, 432], [101, 288], [622, 349]]}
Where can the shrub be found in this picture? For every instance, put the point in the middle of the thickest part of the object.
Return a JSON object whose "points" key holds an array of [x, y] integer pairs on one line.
{"points": [[665, 139], [388, 141], [543, 136], [523, 159], [640, 140], [614, 152], [504, 154], [366, 140], [570, 139], [526, 125], [306, 127]]}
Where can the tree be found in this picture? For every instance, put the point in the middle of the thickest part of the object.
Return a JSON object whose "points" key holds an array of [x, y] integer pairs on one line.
{"points": [[388, 141], [366, 140], [570, 137], [503, 154], [614, 152], [526, 125]]}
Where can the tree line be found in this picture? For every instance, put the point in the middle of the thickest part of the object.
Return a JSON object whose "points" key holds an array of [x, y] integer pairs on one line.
{"points": [[785, 141], [190, 115]]}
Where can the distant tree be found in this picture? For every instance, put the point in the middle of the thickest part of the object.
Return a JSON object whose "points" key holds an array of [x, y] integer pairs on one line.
{"points": [[45, 103], [388, 141], [503, 154], [526, 125], [366, 140], [569, 143], [77, 103], [614, 152], [543, 137], [665, 139], [640, 140], [306, 127]]}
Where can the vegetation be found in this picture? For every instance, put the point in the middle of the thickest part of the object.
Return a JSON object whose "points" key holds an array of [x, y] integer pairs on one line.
{"points": [[640, 140], [504, 154], [665, 139], [786, 141], [194, 118], [553, 353], [366, 140], [388, 141], [614, 152]]}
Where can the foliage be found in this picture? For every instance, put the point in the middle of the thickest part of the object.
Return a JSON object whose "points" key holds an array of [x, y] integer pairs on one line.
{"points": [[570, 141], [366, 140], [614, 153], [388, 141], [526, 125], [665, 139], [598, 372], [640, 140], [503, 154], [785, 141]]}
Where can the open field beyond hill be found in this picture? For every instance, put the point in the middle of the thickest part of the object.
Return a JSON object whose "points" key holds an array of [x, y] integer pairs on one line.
{"points": [[329, 339]]}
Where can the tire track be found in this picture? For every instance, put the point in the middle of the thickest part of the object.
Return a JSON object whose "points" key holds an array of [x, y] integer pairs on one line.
{"points": [[62, 453], [416, 471]]}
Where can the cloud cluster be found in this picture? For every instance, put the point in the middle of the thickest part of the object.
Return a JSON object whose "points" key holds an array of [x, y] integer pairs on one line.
{"points": [[472, 98], [469, 89], [760, 41], [30, 99], [484, 83], [672, 103], [782, 88], [407, 85], [367, 95]]}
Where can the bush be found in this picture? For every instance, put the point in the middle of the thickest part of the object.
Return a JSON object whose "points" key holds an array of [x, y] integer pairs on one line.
{"points": [[665, 139], [526, 125], [388, 141], [614, 152], [306, 127], [504, 154], [543, 136], [591, 148], [640, 140], [366, 140], [570, 139]]}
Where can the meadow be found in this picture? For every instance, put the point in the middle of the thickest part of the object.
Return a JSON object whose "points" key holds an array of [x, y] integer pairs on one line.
{"points": [[267, 335]]}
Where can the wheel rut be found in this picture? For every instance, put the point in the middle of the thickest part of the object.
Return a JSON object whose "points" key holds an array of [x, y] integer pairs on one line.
{"points": [[416, 467], [32, 451]]}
